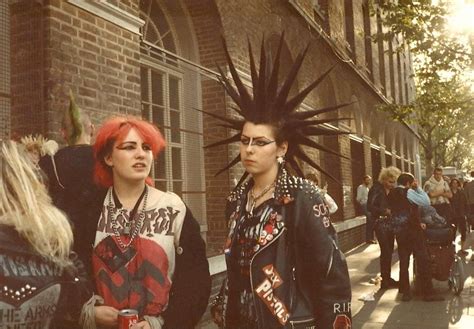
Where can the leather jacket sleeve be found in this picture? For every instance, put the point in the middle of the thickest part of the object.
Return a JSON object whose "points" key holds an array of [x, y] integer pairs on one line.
{"points": [[191, 286], [77, 290], [321, 263], [377, 203]]}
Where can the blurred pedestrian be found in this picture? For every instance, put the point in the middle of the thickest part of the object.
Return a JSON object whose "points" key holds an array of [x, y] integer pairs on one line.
{"points": [[439, 192], [379, 208], [403, 201], [469, 192], [332, 205], [459, 209], [361, 198]]}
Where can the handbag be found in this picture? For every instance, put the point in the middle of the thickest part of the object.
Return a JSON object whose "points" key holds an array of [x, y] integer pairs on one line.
{"points": [[440, 236], [399, 222]]}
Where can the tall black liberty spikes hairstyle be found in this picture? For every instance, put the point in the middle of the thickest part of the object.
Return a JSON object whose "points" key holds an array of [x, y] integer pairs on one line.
{"points": [[270, 105]]}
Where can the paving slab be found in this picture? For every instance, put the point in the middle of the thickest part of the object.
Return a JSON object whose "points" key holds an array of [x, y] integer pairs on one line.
{"points": [[387, 311]]}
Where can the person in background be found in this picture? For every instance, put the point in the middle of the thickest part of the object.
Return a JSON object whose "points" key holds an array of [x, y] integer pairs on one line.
{"points": [[439, 192], [70, 176], [403, 201], [378, 206], [361, 198], [469, 192], [332, 205], [36, 147], [148, 253], [43, 283], [459, 209]]}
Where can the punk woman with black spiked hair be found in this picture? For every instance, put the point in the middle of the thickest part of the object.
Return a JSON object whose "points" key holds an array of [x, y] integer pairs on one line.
{"points": [[284, 266]]}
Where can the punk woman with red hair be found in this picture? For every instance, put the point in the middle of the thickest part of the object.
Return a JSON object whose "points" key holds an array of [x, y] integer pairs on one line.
{"points": [[148, 254]]}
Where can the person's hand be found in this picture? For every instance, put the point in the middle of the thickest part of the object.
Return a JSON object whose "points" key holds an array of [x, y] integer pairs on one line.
{"points": [[423, 226], [141, 325], [438, 192], [106, 316], [414, 185], [217, 314]]}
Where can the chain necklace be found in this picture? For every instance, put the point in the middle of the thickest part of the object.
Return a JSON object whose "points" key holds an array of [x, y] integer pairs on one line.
{"points": [[133, 218], [254, 198]]}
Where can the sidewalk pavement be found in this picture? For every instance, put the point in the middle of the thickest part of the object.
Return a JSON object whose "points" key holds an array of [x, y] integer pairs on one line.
{"points": [[387, 311]]}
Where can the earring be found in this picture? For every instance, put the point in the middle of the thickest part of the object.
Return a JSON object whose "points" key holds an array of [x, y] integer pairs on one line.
{"points": [[280, 159]]}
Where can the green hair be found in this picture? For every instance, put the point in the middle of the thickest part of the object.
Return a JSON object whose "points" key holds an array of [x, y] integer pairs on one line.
{"points": [[72, 123]]}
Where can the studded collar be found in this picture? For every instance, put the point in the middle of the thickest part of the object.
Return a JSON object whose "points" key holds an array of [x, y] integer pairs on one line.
{"points": [[286, 188]]}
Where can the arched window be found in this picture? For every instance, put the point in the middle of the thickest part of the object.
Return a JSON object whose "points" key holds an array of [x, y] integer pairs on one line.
{"points": [[161, 85], [170, 91]]}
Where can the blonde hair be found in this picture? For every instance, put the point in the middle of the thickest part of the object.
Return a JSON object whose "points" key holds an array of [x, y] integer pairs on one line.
{"points": [[389, 172], [26, 206]]}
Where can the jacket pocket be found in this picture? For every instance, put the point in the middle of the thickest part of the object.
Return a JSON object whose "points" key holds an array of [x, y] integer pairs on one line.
{"points": [[302, 323]]}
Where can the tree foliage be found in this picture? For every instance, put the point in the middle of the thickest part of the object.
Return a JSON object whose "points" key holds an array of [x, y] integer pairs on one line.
{"points": [[442, 111]]}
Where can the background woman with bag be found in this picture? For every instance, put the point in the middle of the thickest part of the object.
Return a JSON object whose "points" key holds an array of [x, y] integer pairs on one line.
{"points": [[378, 206], [284, 267]]}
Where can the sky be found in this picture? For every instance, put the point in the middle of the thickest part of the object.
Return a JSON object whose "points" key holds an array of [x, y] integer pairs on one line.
{"points": [[462, 17], [461, 23]]}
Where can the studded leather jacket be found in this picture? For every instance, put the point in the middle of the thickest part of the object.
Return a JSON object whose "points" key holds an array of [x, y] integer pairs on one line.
{"points": [[298, 275], [36, 293]]}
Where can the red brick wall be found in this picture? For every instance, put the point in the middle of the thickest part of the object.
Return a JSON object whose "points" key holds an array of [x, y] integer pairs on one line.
{"points": [[351, 238], [27, 68], [94, 58], [367, 158], [206, 22], [130, 6], [358, 171], [346, 177]]}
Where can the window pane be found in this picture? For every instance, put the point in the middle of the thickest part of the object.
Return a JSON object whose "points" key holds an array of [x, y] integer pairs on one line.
{"points": [[174, 93], [146, 112], [176, 162], [175, 123], [160, 165], [144, 83], [160, 184], [157, 88], [178, 188], [158, 117]]}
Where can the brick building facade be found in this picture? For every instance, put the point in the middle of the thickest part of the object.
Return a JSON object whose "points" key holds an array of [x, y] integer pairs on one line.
{"points": [[157, 59]]}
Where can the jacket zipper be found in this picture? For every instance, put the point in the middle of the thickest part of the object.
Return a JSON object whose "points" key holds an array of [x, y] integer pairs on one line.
{"points": [[332, 257], [295, 322], [253, 257]]}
